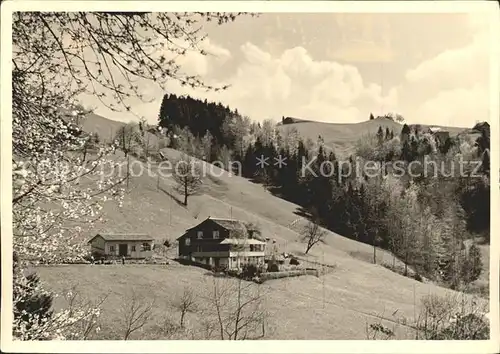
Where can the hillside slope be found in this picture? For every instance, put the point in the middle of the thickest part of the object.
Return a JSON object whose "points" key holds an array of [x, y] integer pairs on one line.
{"points": [[335, 306], [106, 128], [342, 137]]}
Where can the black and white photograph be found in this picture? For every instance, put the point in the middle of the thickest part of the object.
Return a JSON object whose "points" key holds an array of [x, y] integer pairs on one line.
{"points": [[265, 171]]}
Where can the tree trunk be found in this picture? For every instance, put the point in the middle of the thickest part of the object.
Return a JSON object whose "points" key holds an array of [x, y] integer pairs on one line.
{"points": [[85, 152], [128, 170], [182, 319], [185, 194]]}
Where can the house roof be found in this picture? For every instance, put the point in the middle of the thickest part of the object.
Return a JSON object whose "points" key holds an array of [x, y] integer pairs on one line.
{"points": [[123, 237], [230, 224], [237, 228], [184, 234]]}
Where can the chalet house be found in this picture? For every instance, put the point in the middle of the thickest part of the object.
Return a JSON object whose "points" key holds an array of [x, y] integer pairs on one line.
{"points": [[222, 242], [133, 246]]}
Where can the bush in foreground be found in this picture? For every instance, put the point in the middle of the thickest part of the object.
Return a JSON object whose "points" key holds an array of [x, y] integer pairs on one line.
{"points": [[441, 318]]}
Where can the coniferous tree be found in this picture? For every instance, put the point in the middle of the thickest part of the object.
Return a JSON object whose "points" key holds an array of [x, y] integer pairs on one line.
{"points": [[406, 152], [249, 162], [380, 136], [485, 163], [405, 133], [473, 265]]}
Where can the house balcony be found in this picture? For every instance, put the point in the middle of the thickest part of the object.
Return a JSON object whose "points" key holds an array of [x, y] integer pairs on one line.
{"points": [[246, 254], [227, 254]]}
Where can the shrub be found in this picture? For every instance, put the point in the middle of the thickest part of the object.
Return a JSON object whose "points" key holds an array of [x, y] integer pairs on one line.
{"points": [[294, 261], [250, 271], [466, 327], [452, 318], [167, 243], [442, 318], [472, 265], [233, 273], [219, 268], [418, 277]]}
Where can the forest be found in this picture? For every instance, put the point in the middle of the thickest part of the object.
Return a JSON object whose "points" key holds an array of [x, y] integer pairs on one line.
{"points": [[424, 201]]}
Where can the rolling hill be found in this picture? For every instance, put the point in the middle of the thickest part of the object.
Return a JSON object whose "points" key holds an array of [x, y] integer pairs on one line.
{"points": [[342, 137], [106, 128]]}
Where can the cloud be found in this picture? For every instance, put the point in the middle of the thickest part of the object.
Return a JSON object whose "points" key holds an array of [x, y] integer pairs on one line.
{"points": [[453, 86], [456, 107], [294, 83], [254, 55], [457, 67], [195, 63]]}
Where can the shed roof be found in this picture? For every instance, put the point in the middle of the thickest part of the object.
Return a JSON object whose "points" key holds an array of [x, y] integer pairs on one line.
{"points": [[123, 237]]}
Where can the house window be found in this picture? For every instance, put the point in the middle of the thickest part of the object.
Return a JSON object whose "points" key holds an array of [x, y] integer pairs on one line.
{"points": [[216, 234], [188, 241], [146, 246], [133, 248], [111, 248], [199, 234]]}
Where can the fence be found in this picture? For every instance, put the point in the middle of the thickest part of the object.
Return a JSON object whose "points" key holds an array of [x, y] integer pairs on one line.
{"points": [[303, 259], [289, 273]]}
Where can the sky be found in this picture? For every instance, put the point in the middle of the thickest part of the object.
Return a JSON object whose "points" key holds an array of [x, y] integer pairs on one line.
{"points": [[340, 67]]}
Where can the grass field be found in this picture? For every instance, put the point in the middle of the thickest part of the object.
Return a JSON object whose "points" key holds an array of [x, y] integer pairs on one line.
{"points": [[338, 306]]}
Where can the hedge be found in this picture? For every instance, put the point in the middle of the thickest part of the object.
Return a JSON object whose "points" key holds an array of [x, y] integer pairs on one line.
{"points": [[287, 274]]}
